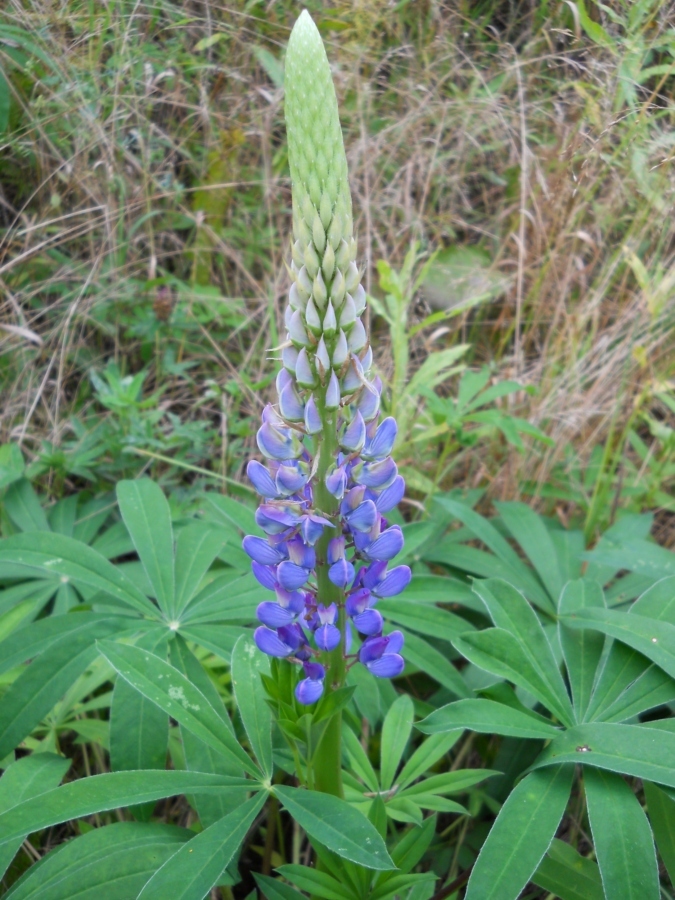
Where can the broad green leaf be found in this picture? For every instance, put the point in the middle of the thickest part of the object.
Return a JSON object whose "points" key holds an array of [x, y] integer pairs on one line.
{"points": [[146, 514], [654, 639], [201, 757], [661, 809], [63, 514], [111, 863], [35, 638], [520, 574], [651, 689], [196, 866], [358, 758], [248, 664], [55, 554], [12, 464], [22, 505], [139, 731], [336, 825], [233, 512], [432, 589], [274, 889], [521, 835], [426, 755], [657, 602], [25, 778], [395, 734], [511, 611], [647, 753], [431, 661], [219, 639], [230, 597], [531, 532], [319, 884], [176, 695], [582, 650], [488, 717], [110, 791], [639, 556], [619, 670], [622, 838], [568, 875], [41, 685], [197, 546], [429, 620], [499, 652]]}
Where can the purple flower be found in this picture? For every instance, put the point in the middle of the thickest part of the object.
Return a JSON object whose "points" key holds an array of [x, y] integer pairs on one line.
{"points": [[260, 551], [376, 475], [383, 442], [291, 576], [326, 634], [341, 573], [310, 689], [395, 582], [354, 436], [266, 575], [291, 479], [387, 546], [273, 614], [381, 655], [391, 496], [368, 622], [271, 643], [261, 480], [275, 519]]}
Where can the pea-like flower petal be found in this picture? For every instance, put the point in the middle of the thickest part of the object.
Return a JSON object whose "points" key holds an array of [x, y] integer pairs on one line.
{"points": [[265, 575], [291, 576], [327, 637], [261, 480], [394, 583], [368, 622], [391, 496], [341, 573], [387, 546], [383, 442], [273, 614], [261, 551], [270, 643]]}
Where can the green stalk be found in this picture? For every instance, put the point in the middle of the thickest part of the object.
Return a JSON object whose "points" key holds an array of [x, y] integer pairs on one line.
{"points": [[328, 754]]}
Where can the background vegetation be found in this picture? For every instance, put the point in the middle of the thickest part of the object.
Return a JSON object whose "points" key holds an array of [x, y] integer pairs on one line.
{"points": [[511, 167]]}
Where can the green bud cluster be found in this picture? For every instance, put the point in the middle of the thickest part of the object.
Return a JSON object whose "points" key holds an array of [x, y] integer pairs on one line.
{"points": [[326, 299]]}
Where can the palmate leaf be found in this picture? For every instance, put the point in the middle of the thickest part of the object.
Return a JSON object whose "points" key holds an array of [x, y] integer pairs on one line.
{"points": [[336, 825], [197, 546], [55, 554], [396, 731], [197, 865], [521, 835], [431, 661], [638, 750], [25, 778], [111, 863], [110, 791], [510, 610], [319, 884], [582, 650], [42, 684], [487, 717], [275, 889], [622, 838], [568, 875], [534, 538], [248, 664], [176, 695], [145, 511]]}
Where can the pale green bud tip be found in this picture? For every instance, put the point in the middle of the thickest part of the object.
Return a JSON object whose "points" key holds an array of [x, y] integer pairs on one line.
{"points": [[315, 148]]}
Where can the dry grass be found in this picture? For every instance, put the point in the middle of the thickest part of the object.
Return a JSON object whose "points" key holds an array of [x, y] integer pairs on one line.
{"points": [[498, 131]]}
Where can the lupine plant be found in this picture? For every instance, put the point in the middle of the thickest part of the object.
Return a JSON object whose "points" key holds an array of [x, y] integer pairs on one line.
{"points": [[330, 479]]}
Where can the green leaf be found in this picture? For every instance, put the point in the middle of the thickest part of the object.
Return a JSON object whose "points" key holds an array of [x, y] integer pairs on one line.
{"points": [[511, 611], [112, 863], [399, 885], [274, 889], [594, 30], [618, 672], [367, 694], [197, 546], [568, 875], [640, 556], [41, 685], [58, 555], [230, 597], [647, 753], [514, 567], [654, 639], [499, 652], [521, 835], [429, 620], [337, 825], [582, 651], [622, 837], [12, 464], [411, 847], [652, 688], [25, 778], [201, 757], [395, 734], [110, 791], [146, 514], [358, 758], [23, 507], [248, 664], [218, 639], [319, 884], [661, 809], [531, 532], [431, 661], [176, 695], [448, 782], [139, 731], [487, 717], [196, 866], [427, 754]]}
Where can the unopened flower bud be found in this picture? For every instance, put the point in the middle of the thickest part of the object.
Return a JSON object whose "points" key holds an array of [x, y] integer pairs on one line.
{"points": [[297, 254], [359, 297], [341, 352], [335, 230], [328, 263], [347, 313], [297, 331], [358, 337], [318, 234], [304, 284], [311, 260], [322, 358], [319, 291], [325, 209], [352, 277], [333, 392], [338, 288], [312, 317], [303, 370], [342, 255], [329, 321]]}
